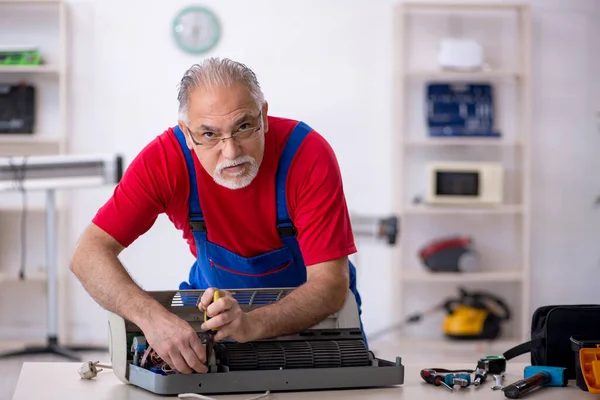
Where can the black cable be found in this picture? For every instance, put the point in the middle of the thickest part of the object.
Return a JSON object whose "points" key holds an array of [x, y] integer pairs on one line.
{"points": [[19, 178], [411, 319]]}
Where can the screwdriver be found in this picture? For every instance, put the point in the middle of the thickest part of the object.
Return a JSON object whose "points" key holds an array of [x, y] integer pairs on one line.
{"points": [[521, 387], [210, 338], [432, 377], [216, 296], [460, 379]]}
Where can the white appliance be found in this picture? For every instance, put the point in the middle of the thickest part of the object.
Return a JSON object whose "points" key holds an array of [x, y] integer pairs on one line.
{"points": [[464, 183], [462, 54]]}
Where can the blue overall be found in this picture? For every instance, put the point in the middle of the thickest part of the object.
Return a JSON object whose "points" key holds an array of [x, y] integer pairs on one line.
{"points": [[218, 267]]}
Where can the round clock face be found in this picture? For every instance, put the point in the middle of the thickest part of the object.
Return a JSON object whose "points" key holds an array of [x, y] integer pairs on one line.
{"points": [[196, 30]]}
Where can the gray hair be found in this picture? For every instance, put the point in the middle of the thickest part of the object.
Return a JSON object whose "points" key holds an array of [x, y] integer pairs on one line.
{"points": [[213, 72]]}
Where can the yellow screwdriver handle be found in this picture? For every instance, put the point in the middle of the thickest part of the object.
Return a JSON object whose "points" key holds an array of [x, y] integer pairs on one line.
{"points": [[216, 296]]}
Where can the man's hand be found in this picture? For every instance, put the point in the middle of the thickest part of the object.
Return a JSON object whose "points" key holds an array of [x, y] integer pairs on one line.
{"points": [[226, 316], [323, 294], [96, 264], [176, 343]]}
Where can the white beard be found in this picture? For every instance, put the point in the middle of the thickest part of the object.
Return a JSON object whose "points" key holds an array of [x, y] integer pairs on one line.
{"points": [[240, 179]]}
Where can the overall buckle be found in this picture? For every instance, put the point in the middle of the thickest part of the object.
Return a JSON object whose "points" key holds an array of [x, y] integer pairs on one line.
{"points": [[286, 229], [197, 225]]}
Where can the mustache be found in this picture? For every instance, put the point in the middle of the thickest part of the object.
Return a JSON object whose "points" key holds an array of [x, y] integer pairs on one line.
{"points": [[234, 163]]}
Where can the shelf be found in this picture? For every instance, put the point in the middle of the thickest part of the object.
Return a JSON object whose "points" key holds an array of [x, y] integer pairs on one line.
{"points": [[27, 138], [460, 141], [443, 74], [458, 277], [42, 69], [496, 210], [29, 277], [29, 145], [465, 6], [15, 208], [18, 2]]}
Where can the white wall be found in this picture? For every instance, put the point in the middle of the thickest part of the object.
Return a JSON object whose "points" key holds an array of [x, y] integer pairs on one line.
{"points": [[329, 66], [314, 66]]}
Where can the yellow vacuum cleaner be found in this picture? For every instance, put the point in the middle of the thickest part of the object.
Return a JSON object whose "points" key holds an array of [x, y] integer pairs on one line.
{"points": [[474, 315], [471, 316]]}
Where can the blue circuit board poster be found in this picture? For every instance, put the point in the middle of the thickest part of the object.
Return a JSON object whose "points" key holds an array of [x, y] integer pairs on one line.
{"points": [[460, 109]]}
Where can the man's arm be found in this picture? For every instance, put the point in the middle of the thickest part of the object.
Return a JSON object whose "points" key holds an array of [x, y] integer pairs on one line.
{"points": [[96, 264], [323, 294]]}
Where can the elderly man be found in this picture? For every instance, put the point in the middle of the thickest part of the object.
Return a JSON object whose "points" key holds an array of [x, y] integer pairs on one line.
{"points": [[259, 200]]}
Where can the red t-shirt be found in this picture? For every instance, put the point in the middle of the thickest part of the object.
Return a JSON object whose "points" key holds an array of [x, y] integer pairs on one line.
{"points": [[242, 220]]}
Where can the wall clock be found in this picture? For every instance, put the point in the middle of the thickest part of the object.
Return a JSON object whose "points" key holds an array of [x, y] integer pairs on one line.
{"points": [[196, 29]]}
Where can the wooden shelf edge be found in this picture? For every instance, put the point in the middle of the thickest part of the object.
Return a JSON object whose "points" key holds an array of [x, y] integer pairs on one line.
{"points": [[460, 141], [458, 210], [37, 69], [27, 138], [37, 276], [464, 5], [22, 2], [484, 276], [475, 74]]}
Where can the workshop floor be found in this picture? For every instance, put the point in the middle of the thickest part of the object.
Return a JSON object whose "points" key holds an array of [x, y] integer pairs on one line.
{"points": [[411, 351]]}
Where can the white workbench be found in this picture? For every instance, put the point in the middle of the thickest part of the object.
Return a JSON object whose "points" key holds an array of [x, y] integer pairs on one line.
{"points": [[60, 380]]}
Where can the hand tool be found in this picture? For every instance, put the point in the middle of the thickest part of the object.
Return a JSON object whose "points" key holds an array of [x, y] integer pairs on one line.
{"points": [[495, 365], [432, 377], [216, 296], [211, 361], [446, 377], [458, 379], [499, 385], [535, 377]]}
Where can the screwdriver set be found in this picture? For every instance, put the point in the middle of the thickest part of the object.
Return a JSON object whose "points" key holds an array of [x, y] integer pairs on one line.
{"points": [[494, 365]]}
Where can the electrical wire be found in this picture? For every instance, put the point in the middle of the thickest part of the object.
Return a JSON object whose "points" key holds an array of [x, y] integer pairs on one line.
{"points": [[402, 324], [18, 181], [202, 397]]}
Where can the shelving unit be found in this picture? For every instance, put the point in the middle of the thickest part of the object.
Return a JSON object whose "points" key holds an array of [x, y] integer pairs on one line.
{"points": [[48, 30], [40, 23], [501, 233]]}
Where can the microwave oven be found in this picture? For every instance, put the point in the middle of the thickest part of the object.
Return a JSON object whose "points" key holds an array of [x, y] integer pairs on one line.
{"points": [[464, 183]]}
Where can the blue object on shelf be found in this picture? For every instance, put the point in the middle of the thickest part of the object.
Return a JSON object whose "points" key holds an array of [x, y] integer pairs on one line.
{"points": [[460, 109]]}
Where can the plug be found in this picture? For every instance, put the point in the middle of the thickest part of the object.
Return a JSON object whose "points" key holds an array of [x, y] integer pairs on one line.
{"points": [[89, 369]]}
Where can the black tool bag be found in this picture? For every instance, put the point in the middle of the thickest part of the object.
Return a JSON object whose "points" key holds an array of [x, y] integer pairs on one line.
{"points": [[551, 330]]}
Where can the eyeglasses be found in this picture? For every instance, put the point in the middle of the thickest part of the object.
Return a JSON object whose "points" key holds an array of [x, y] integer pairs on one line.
{"points": [[211, 139]]}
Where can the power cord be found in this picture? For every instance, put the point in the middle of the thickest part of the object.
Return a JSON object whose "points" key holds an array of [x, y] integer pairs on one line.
{"points": [[18, 180], [202, 397], [89, 370], [411, 319]]}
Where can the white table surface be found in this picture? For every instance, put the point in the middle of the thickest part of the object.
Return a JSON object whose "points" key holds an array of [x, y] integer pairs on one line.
{"points": [[60, 380]]}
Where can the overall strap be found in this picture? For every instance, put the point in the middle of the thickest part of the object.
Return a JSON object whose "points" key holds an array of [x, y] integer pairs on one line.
{"points": [[196, 218], [284, 224]]}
